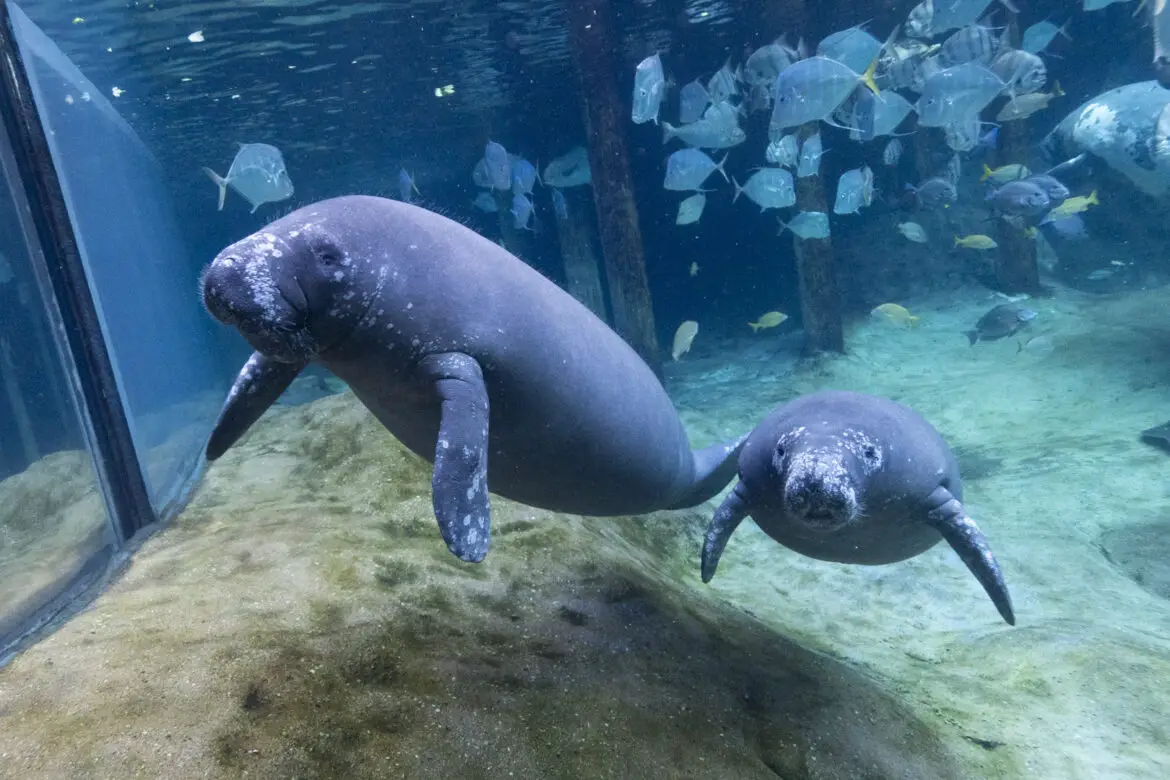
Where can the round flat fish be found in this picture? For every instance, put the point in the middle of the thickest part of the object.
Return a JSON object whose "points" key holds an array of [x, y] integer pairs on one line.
{"points": [[467, 355], [1000, 322], [853, 478]]}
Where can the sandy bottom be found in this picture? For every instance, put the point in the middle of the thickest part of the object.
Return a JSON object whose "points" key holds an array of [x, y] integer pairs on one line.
{"points": [[303, 618]]}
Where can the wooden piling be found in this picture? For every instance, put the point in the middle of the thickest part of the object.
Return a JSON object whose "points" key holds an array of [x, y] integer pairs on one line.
{"points": [[820, 295], [582, 269], [607, 117], [1016, 269]]}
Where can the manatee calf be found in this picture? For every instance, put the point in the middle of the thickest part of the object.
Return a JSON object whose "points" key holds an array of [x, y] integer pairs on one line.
{"points": [[853, 478], [468, 356]]}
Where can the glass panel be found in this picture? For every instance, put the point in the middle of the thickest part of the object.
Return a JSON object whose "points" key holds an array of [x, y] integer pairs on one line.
{"points": [[54, 531], [167, 354]]}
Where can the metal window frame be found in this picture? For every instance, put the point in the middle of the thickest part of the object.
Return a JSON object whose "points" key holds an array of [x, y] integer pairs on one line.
{"points": [[105, 422]]}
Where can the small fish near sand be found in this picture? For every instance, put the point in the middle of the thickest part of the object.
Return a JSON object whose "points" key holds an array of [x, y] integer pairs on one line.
{"points": [[258, 173], [683, 338], [1002, 321], [769, 320], [899, 315], [976, 241]]}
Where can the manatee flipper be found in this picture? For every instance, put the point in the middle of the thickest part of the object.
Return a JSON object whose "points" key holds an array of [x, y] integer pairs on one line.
{"points": [[459, 490], [259, 384], [965, 538], [715, 466], [723, 524]]}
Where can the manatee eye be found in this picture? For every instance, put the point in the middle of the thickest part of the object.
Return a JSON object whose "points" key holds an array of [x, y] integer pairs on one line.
{"points": [[780, 451], [870, 452], [328, 256]]}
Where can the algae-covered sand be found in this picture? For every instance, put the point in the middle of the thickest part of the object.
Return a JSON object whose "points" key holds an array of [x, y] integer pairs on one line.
{"points": [[303, 618]]}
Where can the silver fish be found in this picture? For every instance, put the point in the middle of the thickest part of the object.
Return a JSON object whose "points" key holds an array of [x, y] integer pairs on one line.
{"points": [[973, 43], [687, 169], [718, 129], [692, 102], [1020, 71], [257, 173], [1018, 199], [854, 190], [952, 14], [571, 169], [524, 176], [854, 48], [766, 62], [691, 209], [1038, 36], [812, 89], [893, 152], [722, 84], [498, 165], [784, 151], [521, 211], [957, 94], [759, 98], [919, 23], [769, 188], [406, 186], [485, 202], [963, 136], [809, 162], [875, 116], [649, 89], [807, 224], [480, 175]]}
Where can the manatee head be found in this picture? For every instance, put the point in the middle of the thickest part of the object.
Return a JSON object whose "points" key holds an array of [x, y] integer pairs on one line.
{"points": [[295, 288], [823, 474]]}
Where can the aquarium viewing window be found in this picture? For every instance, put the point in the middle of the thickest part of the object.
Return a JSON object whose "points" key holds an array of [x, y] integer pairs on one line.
{"points": [[108, 381]]}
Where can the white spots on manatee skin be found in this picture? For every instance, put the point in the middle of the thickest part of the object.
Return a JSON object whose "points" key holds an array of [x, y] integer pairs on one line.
{"points": [[338, 276], [258, 275]]}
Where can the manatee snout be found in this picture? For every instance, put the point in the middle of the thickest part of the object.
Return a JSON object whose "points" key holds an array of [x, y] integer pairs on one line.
{"points": [[819, 489], [241, 289]]}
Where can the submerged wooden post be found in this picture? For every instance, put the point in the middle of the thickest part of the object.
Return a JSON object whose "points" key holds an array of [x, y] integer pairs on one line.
{"points": [[1016, 270], [820, 296], [591, 43], [582, 270]]}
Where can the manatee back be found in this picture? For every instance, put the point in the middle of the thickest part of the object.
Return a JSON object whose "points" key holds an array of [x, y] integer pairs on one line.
{"points": [[559, 379]]}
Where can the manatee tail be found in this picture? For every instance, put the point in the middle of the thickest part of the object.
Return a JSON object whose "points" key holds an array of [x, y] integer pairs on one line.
{"points": [[220, 182], [715, 467]]}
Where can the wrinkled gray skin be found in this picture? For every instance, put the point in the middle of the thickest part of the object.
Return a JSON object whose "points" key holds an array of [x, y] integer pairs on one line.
{"points": [[853, 478], [1128, 128], [468, 356]]}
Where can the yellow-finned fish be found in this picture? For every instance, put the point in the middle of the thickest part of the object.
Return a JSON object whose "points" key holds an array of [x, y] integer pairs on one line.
{"points": [[976, 241], [1073, 206], [769, 320], [895, 313], [1004, 173]]}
